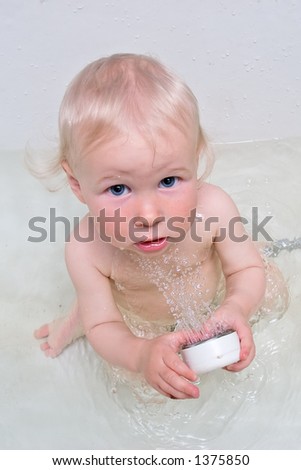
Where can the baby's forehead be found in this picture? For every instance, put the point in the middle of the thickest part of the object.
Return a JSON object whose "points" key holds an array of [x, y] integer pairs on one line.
{"points": [[164, 140]]}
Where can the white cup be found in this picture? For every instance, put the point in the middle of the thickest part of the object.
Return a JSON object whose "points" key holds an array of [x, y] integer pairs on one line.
{"points": [[213, 353]]}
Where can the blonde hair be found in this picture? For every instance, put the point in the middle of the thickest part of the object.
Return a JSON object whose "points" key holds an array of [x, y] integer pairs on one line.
{"points": [[116, 93]]}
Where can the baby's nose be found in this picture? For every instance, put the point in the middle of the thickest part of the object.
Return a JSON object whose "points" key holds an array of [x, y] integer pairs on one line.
{"points": [[149, 212], [141, 221]]}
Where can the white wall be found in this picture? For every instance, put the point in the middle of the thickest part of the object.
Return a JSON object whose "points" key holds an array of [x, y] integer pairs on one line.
{"points": [[242, 58]]}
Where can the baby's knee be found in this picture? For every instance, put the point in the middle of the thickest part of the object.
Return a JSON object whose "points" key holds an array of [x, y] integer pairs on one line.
{"points": [[276, 298]]}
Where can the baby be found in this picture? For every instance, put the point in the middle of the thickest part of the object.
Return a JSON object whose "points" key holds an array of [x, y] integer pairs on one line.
{"points": [[130, 145]]}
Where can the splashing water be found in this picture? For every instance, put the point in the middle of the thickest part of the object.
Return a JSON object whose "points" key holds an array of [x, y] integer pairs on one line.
{"points": [[195, 424], [277, 246], [226, 399], [181, 282]]}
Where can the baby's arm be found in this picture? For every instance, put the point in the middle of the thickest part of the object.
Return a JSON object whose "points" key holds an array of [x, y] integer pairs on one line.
{"points": [[106, 331], [244, 274]]}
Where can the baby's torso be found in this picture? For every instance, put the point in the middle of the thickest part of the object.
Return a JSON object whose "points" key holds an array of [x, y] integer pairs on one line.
{"points": [[164, 288]]}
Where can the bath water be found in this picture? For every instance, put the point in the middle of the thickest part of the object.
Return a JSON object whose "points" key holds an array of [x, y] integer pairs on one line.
{"points": [[181, 283], [46, 404]]}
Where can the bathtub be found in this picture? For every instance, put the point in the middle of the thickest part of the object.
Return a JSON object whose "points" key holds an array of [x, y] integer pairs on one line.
{"points": [[243, 64], [69, 403]]}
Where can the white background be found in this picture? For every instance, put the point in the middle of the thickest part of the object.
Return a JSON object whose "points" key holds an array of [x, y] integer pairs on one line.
{"points": [[242, 59]]}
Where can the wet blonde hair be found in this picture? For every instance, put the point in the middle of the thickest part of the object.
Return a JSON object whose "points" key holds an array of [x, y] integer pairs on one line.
{"points": [[115, 94]]}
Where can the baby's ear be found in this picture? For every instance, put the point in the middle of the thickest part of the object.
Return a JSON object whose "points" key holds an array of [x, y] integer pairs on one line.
{"points": [[73, 182]]}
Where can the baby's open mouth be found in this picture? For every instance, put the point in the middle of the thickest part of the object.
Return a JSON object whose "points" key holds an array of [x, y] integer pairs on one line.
{"points": [[152, 245]]}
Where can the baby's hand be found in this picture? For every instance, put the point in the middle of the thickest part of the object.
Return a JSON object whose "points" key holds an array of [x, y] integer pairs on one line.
{"points": [[234, 320], [164, 369]]}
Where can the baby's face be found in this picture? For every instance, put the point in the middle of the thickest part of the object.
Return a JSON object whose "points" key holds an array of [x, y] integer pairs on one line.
{"points": [[142, 195]]}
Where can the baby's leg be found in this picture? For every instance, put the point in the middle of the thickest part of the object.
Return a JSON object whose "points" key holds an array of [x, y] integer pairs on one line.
{"points": [[58, 334], [276, 299]]}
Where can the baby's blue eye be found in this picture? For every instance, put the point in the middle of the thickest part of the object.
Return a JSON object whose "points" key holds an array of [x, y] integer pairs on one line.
{"points": [[118, 189], [168, 182]]}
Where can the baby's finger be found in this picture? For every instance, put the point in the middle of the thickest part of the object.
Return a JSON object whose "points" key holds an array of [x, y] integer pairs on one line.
{"points": [[179, 376], [177, 387], [247, 348], [176, 364], [246, 358]]}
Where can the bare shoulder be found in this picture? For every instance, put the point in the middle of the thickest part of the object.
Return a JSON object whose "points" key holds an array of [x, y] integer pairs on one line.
{"points": [[214, 201], [85, 250]]}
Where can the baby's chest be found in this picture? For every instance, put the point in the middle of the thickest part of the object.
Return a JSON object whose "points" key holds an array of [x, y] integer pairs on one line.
{"points": [[139, 295], [153, 289]]}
